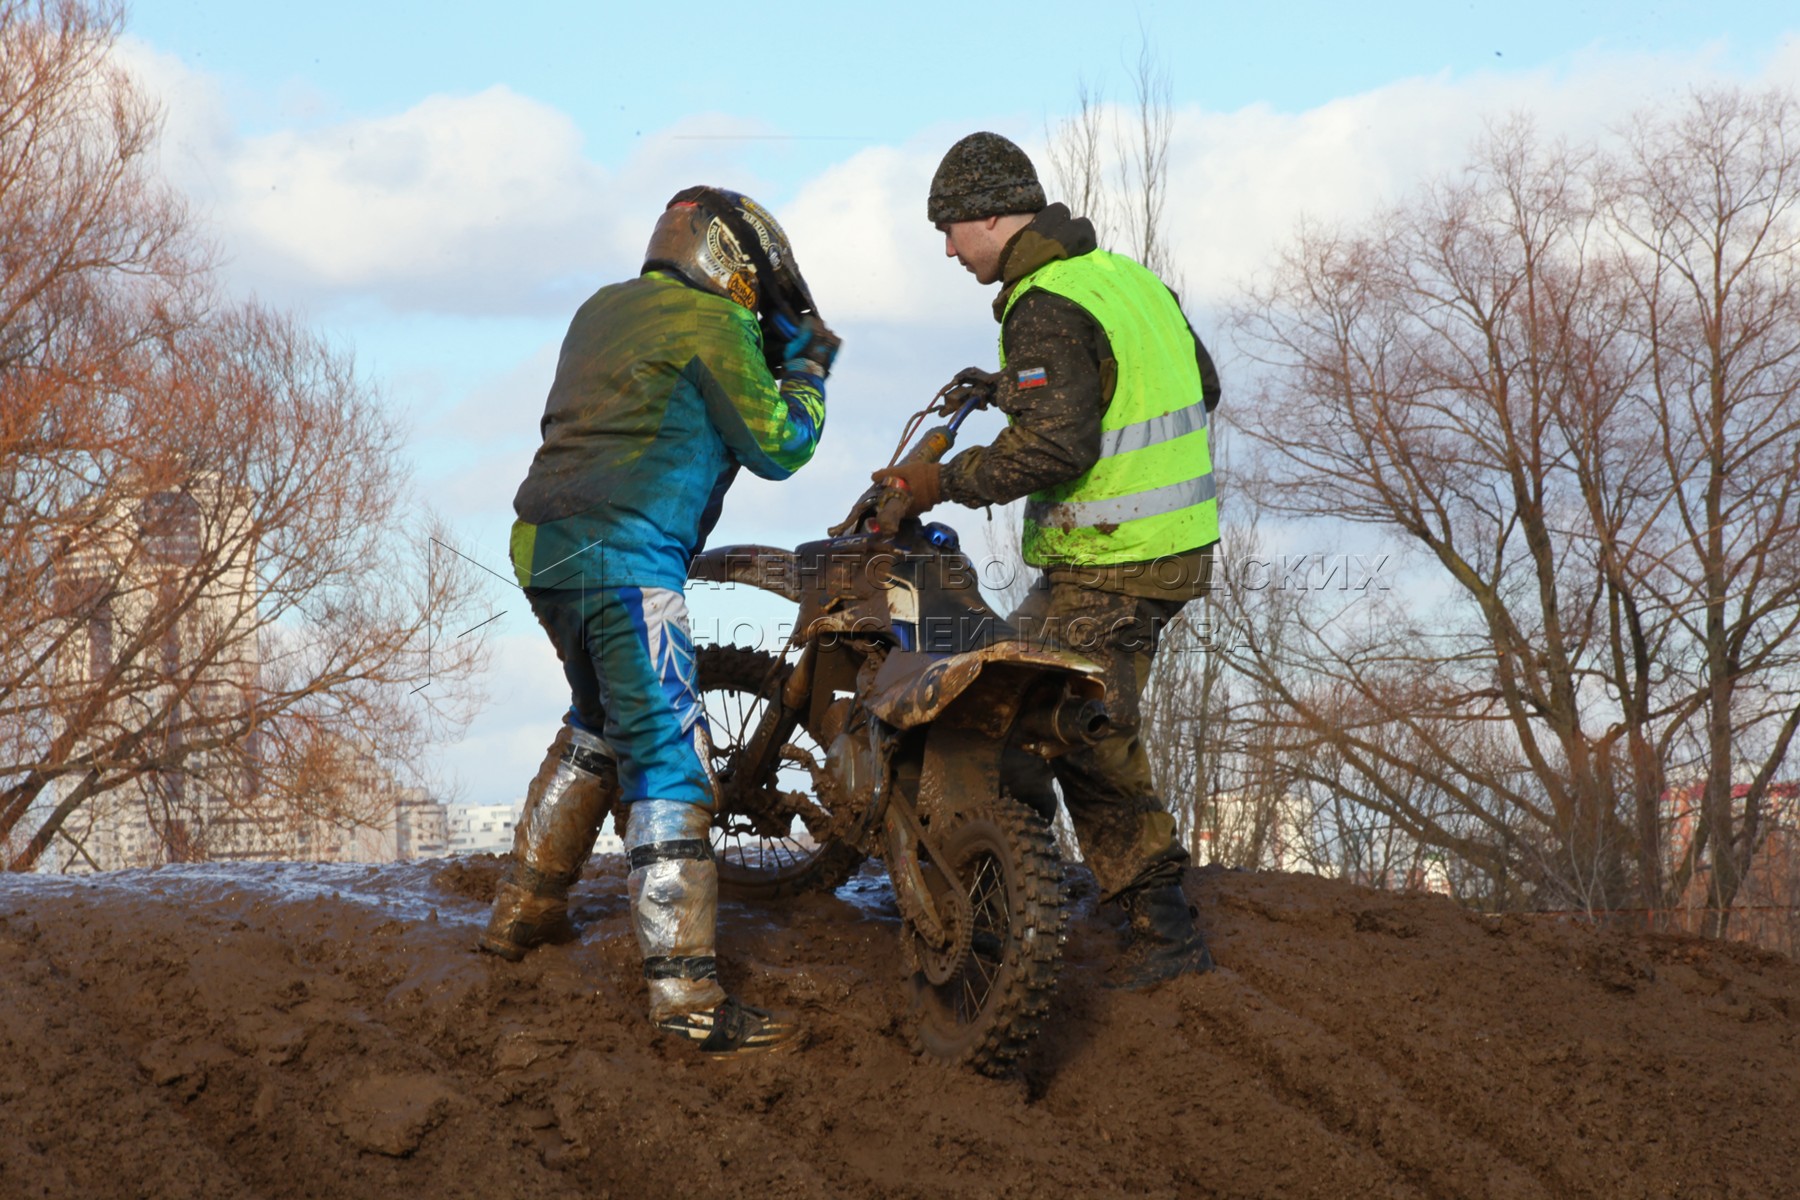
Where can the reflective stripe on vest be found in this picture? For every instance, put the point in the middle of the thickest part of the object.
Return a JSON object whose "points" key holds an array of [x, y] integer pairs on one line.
{"points": [[1153, 430], [1156, 502], [1151, 492]]}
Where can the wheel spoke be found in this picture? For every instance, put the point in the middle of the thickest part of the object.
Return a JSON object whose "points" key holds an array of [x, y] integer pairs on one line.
{"points": [[777, 835], [988, 976], [970, 1008]]}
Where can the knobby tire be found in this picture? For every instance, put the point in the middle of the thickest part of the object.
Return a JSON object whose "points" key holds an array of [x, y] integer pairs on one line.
{"points": [[988, 1014]]}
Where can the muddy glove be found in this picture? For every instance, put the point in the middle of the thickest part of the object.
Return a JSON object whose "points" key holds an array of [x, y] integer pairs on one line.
{"points": [[920, 481], [969, 382], [811, 349]]}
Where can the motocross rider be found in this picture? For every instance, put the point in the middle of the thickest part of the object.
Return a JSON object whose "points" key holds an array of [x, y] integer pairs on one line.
{"points": [[1107, 391], [712, 359]]}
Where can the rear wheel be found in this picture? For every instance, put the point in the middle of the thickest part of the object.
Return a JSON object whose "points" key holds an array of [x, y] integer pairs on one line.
{"points": [[980, 996], [776, 839]]}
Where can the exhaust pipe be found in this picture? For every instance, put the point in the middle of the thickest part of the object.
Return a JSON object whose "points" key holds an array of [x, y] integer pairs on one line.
{"points": [[1074, 721]]}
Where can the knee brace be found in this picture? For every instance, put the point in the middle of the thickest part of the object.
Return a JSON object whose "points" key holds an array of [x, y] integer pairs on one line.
{"points": [[564, 807], [674, 903]]}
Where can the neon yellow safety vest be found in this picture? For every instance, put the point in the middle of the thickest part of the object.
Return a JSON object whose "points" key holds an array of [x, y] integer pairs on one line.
{"points": [[1151, 492]]}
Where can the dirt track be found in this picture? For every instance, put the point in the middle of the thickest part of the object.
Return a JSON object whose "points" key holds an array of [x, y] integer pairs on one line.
{"points": [[325, 1031]]}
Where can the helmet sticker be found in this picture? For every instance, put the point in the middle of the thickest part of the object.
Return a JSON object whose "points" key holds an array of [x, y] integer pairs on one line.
{"points": [[741, 289], [721, 256], [767, 231]]}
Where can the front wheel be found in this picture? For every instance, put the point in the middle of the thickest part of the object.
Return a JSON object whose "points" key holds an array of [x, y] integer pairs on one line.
{"points": [[980, 997]]}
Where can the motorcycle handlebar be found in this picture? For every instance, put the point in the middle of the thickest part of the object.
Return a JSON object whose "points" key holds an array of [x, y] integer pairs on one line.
{"points": [[891, 504]]}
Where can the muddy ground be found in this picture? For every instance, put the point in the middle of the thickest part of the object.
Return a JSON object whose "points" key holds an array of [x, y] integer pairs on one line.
{"points": [[294, 1030]]}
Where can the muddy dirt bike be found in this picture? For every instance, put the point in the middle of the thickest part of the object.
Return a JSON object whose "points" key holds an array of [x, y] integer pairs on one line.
{"points": [[881, 730]]}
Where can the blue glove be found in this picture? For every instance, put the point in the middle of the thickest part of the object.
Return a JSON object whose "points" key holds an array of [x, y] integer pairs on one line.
{"points": [[784, 327], [810, 348]]}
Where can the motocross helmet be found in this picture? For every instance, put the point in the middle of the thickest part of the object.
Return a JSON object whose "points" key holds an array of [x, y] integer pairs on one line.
{"points": [[726, 243]]}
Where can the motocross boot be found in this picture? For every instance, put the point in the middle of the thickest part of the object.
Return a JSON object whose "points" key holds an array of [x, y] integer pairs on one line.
{"points": [[564, 806], [674, 908], [1164, 940]]}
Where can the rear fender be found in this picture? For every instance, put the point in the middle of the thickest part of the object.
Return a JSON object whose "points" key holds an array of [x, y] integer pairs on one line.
{"points": [[912, 689]]}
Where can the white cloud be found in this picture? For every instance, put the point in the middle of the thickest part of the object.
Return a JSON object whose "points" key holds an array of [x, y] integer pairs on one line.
{"points": [[506, 407], [489, 203], [197, 131], [483, 204], [1239, 182], [456, 196], [860, 233]]}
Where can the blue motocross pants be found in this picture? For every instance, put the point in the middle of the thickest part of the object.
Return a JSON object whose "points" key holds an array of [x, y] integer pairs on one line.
{"points": [[628, 655]]}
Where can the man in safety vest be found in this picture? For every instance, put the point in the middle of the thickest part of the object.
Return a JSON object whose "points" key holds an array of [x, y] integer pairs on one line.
{"points": [[1107, 392]]}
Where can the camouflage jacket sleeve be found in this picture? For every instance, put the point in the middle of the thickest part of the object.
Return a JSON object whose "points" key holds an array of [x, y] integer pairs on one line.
{"points": [[1053, 432], [1054, 429], [771, 428]]}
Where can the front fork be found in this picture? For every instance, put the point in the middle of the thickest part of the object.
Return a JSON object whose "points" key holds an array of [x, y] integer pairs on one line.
{"points": [[960, 770]]}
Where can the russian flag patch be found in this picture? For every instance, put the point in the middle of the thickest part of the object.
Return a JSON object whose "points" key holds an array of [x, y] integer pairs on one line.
{"points": [[1033, 377]]}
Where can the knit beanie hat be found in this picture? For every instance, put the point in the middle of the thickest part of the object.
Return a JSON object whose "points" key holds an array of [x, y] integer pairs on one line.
{"points": [[984, 175]]}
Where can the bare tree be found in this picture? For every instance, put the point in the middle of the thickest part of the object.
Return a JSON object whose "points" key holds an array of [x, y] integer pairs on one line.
{"points": [[229, 622], [1144, 168], [211, 605], [1112, 166], [1079, 147], [1568, 377], [1707, 208]]}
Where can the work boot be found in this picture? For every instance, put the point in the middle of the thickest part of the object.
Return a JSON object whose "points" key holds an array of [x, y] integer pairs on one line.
{"points": [[564, 806], [527, 913], [1164, 941], [734, 1028]]}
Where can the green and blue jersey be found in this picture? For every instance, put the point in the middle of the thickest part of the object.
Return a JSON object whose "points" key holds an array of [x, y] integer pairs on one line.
{"points": [[661, 393]]}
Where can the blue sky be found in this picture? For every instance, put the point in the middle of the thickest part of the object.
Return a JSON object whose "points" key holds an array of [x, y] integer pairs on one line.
{"points": [[882, 71], [438, 186]]}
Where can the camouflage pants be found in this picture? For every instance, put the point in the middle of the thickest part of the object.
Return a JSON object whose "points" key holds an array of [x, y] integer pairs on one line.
{"points": [[1126, 833]]}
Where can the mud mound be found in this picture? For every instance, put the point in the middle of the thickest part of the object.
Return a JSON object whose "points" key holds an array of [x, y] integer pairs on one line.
{"points": [[287, 1031]]}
